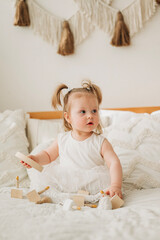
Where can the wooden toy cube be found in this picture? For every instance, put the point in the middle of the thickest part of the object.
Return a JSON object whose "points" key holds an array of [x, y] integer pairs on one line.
{"points": [[16, 193], [33, 196], [117, 202], [79, 200]]}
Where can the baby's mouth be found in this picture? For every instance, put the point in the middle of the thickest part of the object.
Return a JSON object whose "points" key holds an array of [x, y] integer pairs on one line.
{"points": [[90, 123]]}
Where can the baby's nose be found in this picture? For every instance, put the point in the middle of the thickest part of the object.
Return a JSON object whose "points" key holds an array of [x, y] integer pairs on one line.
{"points": [[89, 115]]}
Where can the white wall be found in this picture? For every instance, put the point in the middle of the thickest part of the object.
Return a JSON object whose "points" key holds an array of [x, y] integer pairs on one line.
{"points": [[30, 68]]}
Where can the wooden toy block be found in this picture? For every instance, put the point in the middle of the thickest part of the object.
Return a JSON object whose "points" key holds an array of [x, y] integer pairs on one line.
{"points": [[102, 192], [83, 192], [42, 191], [90, 205], [17, 182], [29, 161], [33, 196], [44, 200], [117, 202], [79, 200], [16, 193], [76, 208]]}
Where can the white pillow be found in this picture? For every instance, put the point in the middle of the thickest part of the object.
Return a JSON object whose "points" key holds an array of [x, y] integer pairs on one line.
{"points": [[143, 174], [140, 134], [39, 131], [12, 139], [156, 112], [115, 117], [137, 143]]}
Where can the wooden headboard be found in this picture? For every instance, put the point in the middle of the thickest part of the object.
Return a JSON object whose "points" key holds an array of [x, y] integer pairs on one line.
{"points": [[58, 114]]}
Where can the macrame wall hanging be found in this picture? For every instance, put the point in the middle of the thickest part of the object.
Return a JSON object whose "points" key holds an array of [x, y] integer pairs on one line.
{"points": [[66, 34], [104, 16]]}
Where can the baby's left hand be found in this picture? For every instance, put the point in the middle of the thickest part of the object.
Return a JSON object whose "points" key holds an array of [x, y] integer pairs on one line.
{"points": [[112, 190]]}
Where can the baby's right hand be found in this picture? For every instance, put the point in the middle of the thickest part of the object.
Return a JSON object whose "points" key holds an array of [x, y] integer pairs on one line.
{"points": [[27, 165]]}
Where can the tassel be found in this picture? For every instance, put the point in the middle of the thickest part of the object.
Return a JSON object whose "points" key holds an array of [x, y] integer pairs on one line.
{"points": [[121, 33], [66, 45], [22, 14]]}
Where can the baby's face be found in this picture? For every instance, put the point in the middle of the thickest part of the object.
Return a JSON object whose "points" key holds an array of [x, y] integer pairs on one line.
{"points": [[83, 112]]}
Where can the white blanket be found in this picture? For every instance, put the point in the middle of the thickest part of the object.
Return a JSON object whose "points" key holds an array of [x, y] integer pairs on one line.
{"points": [[138, 219]]}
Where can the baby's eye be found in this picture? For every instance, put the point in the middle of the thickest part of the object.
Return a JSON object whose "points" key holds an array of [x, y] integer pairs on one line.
{"points": [[83, 111], [94, 110]]}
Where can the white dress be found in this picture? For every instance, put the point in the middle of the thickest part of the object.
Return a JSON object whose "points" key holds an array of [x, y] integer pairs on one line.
{"points": [[80, 166]]}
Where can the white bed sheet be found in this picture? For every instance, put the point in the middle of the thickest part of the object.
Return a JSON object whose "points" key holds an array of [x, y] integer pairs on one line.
{"points": [[138, 219]]}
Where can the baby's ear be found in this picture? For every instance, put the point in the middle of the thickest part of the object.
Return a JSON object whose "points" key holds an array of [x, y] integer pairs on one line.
{"points": [[66, 116]]}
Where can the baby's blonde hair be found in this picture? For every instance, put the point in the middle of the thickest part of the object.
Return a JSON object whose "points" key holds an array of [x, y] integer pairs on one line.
{"points": [[87, 88]]}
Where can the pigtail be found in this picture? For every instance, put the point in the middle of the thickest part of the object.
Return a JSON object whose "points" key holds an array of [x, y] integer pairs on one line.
{"points": [[56, 99], [98, 93], [94, 89]]}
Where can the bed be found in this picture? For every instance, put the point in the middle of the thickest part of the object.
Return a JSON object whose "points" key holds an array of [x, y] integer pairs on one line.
{"points": [[135, 136]]}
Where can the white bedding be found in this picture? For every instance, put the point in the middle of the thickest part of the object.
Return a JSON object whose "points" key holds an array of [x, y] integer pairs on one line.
{"points": [[138, 219]]}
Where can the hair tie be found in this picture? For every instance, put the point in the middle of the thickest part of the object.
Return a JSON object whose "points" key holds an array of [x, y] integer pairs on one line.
{"points": [[66, 90], [69, 89]]}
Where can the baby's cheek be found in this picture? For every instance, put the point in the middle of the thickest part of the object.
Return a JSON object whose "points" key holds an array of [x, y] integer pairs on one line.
{"points": [[80, 122], [97, 120]]}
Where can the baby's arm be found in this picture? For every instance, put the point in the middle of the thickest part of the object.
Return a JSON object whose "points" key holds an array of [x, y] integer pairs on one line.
{"points": [[115, 169], [46, 156]]}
